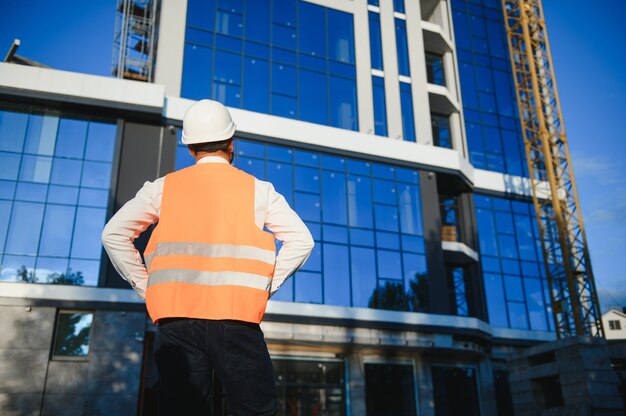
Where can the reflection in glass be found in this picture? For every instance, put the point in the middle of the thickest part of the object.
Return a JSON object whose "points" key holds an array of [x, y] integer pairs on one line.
{"points": [[310, 386], [336, 275], [38, 226], [72, 334]]}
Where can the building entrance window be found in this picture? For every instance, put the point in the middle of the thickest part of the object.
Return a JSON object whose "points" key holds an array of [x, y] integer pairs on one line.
{"points": [[310, 387], [455, 391], [389, 389]]}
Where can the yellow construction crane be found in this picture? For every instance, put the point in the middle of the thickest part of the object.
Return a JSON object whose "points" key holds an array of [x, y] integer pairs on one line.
{"points": [[575, 305]]}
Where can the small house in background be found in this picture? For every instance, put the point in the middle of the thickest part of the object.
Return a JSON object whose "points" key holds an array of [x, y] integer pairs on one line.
{"points": [[614, 322]]}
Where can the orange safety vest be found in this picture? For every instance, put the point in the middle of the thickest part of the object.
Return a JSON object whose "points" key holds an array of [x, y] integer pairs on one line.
{"points": [[207, 258]]}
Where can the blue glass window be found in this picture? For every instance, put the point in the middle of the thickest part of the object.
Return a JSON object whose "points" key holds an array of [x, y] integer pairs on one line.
{"points": [[398, 6], [487, 87], [256, 87], [380, 108], [376, 47], [441, 131], [406, 102], [507, 236], [402, 47], [343, 103], [54, 197], [236, 62]]}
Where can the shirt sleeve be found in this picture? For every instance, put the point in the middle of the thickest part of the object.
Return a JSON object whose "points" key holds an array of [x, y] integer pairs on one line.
{"points": [[297, 242], [125, 226]]}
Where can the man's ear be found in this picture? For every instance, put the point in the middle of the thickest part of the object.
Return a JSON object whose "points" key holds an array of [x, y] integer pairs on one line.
{"points": [[231, 146], [191, 152]]}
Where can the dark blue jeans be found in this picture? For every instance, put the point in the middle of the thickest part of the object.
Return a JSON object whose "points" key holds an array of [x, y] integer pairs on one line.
{"points": [[188, 351]]}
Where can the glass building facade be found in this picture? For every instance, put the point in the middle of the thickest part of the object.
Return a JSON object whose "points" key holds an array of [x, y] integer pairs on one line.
{"points": [[512, 263], [277, 57], [55, 180], [492, 127]]}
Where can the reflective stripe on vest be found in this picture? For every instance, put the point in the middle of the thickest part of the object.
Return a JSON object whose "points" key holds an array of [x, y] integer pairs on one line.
{"points": [[207, 258]]}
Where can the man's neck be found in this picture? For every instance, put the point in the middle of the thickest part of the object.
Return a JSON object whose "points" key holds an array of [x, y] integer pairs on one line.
{"points": [[220, 153]]}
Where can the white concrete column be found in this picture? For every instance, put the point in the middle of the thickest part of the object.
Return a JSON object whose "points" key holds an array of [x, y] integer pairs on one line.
{"points": [[363, 67], [419, 80], [171, 46], [390, 67]]}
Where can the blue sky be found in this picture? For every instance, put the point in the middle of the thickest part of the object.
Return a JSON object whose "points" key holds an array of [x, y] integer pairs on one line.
{"points": [[589, 59]]}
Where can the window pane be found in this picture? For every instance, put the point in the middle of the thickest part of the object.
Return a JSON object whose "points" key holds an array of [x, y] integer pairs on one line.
{"points": [[67, 172], [37, 169], [402, 48], [336, 275], [201, 13], [311, 33], [340, 36], [257, 21], [56, 236], [252, 166], [389, 264], [517, 314], [229, 23], [73, 331], [380, 108], [495, 300], [307, 179], [360, 201], [334, 207], [25, 228], [280, 175], [12, 131], [363, 267], [313, 96], [256, 75], [100, 142], [5, 213], [343, 105], [386, 217], [96, 175], [308, 287], [89, 225], [314, 262], [536, 305], [308, 206], [375, 41], [197, 66], [410, 209], [513, 285], [389, 241], [41, 135], [361, 237], [9, 165], [406, 101], [71, 138]]}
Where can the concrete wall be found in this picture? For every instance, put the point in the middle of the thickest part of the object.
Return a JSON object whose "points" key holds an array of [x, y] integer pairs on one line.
{"points": [[106, 382]]}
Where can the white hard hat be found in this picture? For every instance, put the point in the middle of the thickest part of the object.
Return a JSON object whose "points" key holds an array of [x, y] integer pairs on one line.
{"points": [[207, 121]]}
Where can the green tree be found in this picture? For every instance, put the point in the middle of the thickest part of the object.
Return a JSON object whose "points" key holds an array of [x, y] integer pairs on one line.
{"points": [[25, 275], [390, 296], [69, 341], [69, 278], [418, 293]]}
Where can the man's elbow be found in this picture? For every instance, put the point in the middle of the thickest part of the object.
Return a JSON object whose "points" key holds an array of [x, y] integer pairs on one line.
{"points": [[107, 237]]}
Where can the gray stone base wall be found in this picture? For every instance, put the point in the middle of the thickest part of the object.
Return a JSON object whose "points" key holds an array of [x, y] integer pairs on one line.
{"points": [[105, 382]]}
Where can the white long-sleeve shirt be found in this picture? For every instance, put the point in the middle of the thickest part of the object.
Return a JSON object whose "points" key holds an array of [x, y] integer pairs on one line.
{"points": [[270, 211]]}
